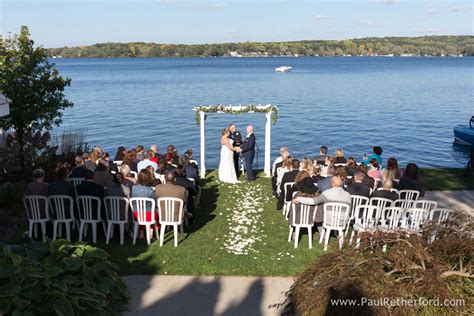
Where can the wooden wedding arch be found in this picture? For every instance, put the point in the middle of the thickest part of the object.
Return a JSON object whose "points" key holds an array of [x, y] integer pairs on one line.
{"points": [[271, 115]]}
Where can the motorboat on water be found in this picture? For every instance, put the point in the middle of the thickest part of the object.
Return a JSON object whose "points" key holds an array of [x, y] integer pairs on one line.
{"points": [[283, 69], [464, 134]]}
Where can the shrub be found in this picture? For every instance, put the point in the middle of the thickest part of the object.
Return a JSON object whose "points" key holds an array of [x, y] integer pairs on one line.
{"points": [[59, 278], [411, 268]]}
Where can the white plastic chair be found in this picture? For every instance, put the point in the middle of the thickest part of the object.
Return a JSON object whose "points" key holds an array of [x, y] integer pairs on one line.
{"points": [[142, 206], [88, 214], [405, 204], [356, 200], [166, 214], [193, 161], [368, 222], [428, 205], [380, 202], [409, 195], [443, 215], [415, 219], [336, 217], [390, 218], [116, 213], [75, 182], [134, 174], [340, 165], [118, 163], [305, 221], [62, 207], [37, 215], [287, 204]]}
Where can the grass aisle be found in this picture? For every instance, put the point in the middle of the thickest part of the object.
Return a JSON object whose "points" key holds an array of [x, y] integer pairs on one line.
{"points": [[238, 232]]}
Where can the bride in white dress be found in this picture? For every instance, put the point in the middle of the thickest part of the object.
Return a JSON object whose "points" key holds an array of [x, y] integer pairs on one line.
{"points": [[226, 166]]}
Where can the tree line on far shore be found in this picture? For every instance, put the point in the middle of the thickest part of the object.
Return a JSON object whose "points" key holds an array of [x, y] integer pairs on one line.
{"points": [[396, 46]]}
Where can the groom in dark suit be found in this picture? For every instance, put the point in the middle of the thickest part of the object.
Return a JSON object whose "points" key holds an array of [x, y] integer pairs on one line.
{"points": [[237, 138], [247, 150]]}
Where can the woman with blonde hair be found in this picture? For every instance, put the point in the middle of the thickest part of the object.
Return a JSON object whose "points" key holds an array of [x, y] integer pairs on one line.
{"points": [[307, 165], [287, 166], [129, 181], [340, 157]]}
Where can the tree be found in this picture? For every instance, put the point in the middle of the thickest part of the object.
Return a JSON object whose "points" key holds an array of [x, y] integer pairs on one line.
{"points": [[34, 85]]}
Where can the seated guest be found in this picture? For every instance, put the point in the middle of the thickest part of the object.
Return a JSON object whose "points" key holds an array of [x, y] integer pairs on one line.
{"points": [[182, 180], [295, 187], [377, 153], [38, 186], [392, 171], [325, 183], [368, 181], [316, 175], [386, 192], [170, 189], [120, 154], [106, 158], [278, 163], [139, 153], [91, 163], [61, 186], [287, 177], [306, 189], [80, 170], [89, 187], [357, 187], [306, 164], [324, 168], [163, 167], [117, 187], [147, 162], [374, 172], [340, 157], [154, 180], [351, 167], [142, 187], [156, 156], [175, 158], [286, 167], [411, 179], [341, 173], [128, 180], [190, 169], [102, 175], [169, 156], [335, 194], [321, 159], [130, 160]]}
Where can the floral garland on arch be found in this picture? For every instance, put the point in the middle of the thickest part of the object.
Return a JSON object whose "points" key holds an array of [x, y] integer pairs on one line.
{"points": [[237, 109]]}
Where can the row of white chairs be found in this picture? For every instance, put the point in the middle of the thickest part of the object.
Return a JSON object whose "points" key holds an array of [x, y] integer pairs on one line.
{"points": [[59, 209], [409, 214]]}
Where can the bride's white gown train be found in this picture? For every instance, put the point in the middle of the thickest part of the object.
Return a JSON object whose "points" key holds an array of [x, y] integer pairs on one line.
{"points": [[226, 166]]}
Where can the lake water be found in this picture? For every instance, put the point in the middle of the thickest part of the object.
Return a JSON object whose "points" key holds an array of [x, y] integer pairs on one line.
{"points": [[409, 106]]}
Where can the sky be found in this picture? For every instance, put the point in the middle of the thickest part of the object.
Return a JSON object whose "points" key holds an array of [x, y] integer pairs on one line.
{"points": [[72, 23]]}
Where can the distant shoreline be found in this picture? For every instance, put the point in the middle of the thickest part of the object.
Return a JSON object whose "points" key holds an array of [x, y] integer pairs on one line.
{"points": [[262, 57], [371, 47]]}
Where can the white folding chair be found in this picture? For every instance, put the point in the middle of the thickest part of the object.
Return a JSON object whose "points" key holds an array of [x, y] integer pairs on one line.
{"points": [[356, 200], [89, 214], [305, 221], [116, 213], [368, 222], [287, 204], [336, 216], [134, 174], [193, 161], [143, 207], [390, 219], [37, 211], [62, 208], [409, 195], [170, 213], [380, 202], [443, 215]]}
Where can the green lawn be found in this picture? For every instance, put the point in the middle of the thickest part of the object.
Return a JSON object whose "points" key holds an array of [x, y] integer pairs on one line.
{"points": [[207, 248], [204, 249]]}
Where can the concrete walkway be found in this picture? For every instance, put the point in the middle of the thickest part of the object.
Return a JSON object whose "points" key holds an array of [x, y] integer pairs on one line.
{"points": [[455, 200], [205, 295]]}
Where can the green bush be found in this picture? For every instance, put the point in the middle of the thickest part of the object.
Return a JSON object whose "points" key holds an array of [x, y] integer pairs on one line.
{"points": [[59, 278]]}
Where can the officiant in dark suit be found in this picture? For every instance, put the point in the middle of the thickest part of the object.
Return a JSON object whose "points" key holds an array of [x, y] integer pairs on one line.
{"points": [[237, 138], [247, 149]]}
